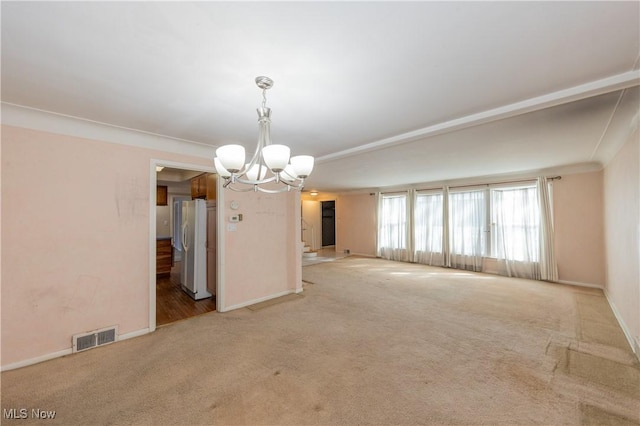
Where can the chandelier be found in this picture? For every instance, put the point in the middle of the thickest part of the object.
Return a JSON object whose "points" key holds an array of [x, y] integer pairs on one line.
{"points": [[270, 164]]}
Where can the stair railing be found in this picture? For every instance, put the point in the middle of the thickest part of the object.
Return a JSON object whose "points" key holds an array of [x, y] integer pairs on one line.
{"points": [[313, 234]]}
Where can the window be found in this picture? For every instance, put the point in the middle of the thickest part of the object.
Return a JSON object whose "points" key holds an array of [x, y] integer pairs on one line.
{"points": [[461, 227], [428, 230], [515, 220], [392, 228], [467, 223]]}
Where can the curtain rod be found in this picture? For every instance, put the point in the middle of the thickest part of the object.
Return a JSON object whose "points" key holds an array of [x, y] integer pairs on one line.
{"points": [[477, 184], [500, 183]]}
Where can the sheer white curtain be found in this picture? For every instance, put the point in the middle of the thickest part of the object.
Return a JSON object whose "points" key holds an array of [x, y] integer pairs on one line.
{"points": [[446, 256], [450, 228], [516, 230], [467, 226], [428, 229], [548, 266], [392, 227]]}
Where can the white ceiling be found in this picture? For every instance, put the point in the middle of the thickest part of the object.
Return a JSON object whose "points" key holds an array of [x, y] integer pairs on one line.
{"points": [[382, 93]]}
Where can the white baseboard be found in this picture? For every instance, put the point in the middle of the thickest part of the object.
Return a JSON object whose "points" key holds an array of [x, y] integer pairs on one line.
{"points": [[261, 299], [373, 256], [64, 352], [36, 360], [133, 334], [579, 284], [633, 343]]}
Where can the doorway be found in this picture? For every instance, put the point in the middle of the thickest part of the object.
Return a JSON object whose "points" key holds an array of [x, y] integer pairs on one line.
{"points": [[328, 223], [170, 302]]}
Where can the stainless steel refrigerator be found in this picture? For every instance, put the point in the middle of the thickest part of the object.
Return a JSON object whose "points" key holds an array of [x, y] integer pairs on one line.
{"points": [[193, 273]]}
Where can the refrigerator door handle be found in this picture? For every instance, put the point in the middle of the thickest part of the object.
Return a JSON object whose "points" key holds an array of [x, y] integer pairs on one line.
{"points": [[185, 226]]}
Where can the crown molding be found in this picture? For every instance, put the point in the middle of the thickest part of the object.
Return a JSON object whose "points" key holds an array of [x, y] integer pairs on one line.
{"points": [[576, 93], [46, 121]]}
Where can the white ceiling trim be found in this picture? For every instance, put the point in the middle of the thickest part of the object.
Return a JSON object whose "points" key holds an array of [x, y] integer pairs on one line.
{"points": [[594, 88], [606, 128], [46, 121]]}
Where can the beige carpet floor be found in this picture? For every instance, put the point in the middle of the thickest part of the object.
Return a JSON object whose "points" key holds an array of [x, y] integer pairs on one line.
{"points": [[368, 342]]}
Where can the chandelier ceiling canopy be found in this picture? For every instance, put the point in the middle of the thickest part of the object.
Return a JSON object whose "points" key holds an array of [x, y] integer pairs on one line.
{"points": [[270, 165]]}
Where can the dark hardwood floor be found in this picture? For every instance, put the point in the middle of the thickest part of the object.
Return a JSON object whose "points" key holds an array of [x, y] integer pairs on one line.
{"points": [[173, 304]]}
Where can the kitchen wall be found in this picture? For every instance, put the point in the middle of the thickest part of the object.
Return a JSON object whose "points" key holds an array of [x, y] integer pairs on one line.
{"points": [[164, 214], [76, 231], [622, 241], [163, 221]]}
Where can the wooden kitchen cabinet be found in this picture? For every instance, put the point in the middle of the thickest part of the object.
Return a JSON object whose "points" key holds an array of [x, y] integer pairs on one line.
{"points": [[204, 186], [161, 196], [164, 256]]}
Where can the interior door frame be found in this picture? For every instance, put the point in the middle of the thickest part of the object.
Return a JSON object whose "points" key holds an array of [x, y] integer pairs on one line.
{"points": [[153, 182], [322, 223]]}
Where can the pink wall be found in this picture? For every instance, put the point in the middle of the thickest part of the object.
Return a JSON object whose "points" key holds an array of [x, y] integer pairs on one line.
{"points": [[75, 241], [622, 226], [578, 224], [262, 255], [356, 224]]}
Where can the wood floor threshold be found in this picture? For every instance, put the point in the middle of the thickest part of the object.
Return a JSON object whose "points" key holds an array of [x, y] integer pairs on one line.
{"points": [[173, 304]]}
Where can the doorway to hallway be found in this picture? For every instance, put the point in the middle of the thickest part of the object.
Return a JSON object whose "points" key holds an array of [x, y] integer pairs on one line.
{"points": [[328, 223]]}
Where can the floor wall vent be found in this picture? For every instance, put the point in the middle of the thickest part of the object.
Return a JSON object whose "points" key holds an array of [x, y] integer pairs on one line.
{"points": [[104, 336]]}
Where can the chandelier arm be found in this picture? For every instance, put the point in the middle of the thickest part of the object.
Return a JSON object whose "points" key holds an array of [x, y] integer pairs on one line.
{"points": [[256, 182], [265, 128], [244, 189], [274, 191], [293, 183], [298, 186], [257, 188], [257, 155], [254, 186]]}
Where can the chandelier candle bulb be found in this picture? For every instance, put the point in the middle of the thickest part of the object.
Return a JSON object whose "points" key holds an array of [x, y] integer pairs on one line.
{"points": [[252, 173], [302, 165], [276, 157], [221, 170], [288, 174], [231, 157]]}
